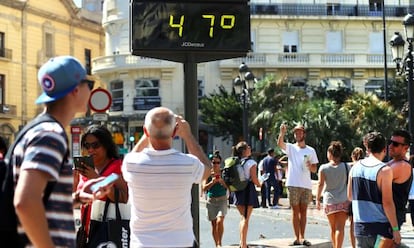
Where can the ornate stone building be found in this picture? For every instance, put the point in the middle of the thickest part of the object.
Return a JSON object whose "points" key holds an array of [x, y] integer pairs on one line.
{"points": [[319, 42], [32, 31]]}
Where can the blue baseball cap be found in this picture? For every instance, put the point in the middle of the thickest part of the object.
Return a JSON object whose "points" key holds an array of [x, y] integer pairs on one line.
{"points": [[59, 76]]}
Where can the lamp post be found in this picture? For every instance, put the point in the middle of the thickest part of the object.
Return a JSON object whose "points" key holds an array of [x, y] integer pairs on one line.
{"points": [[243, 85], [405, 65]]}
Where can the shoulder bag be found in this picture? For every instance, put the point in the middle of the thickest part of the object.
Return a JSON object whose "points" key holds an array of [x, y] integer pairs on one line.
{"points": [[109, 231]]}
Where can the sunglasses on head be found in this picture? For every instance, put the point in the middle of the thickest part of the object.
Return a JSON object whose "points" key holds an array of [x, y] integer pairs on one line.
{"points": [[93, 145], [395, 143]]}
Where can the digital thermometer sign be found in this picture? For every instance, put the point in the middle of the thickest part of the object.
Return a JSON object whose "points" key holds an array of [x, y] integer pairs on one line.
{"points": [[198, 27]]}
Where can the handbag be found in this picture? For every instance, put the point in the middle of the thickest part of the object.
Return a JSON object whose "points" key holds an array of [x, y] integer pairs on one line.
{"points": [[109, 232], [81, 236]]}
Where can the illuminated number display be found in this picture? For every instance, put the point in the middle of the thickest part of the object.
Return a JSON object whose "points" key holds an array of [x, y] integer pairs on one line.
{"points": [[190, 26]]}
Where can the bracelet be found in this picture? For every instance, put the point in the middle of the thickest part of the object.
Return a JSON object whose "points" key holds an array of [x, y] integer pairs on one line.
{"points": [[395, 228]]}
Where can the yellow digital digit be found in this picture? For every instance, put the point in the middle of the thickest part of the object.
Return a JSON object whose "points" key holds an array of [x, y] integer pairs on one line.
{"points": [[177, 25], [227, 21], [212, 18]]}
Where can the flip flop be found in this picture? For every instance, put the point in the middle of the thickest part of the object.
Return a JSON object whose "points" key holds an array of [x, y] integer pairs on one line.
{"points": [[306, 243], [296, 242]]}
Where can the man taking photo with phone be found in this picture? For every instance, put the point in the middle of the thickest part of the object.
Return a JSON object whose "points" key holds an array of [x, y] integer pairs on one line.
{"points": [[160, 179]]}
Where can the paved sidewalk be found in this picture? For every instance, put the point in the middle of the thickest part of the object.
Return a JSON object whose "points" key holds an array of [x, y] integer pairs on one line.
{"points": [[315, 215]]}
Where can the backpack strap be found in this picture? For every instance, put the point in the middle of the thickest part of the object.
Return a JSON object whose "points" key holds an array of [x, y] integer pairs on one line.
{"points": [[347, 172], [39, 119], [45, 117]]}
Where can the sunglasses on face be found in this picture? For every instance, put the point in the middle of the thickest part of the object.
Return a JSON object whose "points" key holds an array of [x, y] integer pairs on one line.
{"points": [[214, 162], [395, 143], [93, 145], [90, 83]]}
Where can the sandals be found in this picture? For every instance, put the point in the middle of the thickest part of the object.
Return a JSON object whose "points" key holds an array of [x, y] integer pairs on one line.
{"points": [[305, 243]]}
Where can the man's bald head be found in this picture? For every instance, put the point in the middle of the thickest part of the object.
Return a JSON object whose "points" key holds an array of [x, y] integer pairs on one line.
{"points": [[160, 123]]}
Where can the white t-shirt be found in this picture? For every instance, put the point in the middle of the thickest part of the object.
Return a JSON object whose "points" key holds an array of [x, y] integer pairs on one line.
{"points": [[247, 165], [297, 174], [260, 166], [160, 185]]}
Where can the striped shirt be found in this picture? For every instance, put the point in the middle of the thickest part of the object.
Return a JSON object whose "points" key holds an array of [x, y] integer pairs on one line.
{"points": [[160, 185], [43, 148], [368, 212]]}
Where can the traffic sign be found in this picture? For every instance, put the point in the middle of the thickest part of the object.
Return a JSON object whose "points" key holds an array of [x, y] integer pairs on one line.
{"points": [[100, 100], [100, 117]]}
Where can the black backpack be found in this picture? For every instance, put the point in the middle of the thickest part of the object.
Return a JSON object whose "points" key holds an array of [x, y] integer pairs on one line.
{"points": [[8, 218], [233, 174]]}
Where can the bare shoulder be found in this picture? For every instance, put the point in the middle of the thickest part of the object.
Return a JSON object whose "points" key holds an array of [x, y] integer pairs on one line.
{"points": [[385, 171], [401, 170]]}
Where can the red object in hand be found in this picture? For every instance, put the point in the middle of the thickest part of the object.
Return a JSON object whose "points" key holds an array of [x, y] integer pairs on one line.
{"points": [[217, 176]]}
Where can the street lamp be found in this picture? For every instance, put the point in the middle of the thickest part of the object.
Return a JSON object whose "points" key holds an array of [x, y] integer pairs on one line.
{"points": [[405, 65], [243, 85]]}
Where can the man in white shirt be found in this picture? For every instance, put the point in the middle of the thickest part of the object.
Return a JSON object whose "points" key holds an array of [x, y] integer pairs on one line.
{"points": [[160, 180], [302, 160]]}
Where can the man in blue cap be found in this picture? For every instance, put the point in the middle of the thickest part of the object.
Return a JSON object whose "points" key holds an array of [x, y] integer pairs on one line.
{"points": [[40, 157]]}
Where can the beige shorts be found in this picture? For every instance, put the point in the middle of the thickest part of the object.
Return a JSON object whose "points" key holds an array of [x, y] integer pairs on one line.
{"points": [[299, 196], [216, 206]]}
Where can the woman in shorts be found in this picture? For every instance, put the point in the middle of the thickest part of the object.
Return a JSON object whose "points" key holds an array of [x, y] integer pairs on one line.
{"points": [[216, 191], [334, 177]]}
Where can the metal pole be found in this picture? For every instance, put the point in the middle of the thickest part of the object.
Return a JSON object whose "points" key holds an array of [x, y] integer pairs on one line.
{"points": [[410, 92], [191, 115], [245, 116], [385, 55]]}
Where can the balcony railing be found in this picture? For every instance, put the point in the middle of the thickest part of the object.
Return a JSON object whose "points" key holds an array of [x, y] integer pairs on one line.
{"points": [[127, 61], [327, 9], [310, 60]]}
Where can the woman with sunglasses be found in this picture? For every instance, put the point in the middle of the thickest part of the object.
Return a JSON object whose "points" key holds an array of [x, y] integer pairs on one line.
{"points": [[216, 191], [97, 142]]}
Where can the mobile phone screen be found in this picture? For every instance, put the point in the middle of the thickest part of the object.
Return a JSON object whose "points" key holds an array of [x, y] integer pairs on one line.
{"points": [[108, 180], [81, 161]]}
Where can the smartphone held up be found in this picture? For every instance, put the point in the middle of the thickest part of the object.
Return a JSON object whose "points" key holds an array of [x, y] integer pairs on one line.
{"points": [[80, 162]]}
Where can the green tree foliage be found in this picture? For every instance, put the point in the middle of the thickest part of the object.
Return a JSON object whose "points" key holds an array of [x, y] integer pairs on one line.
{"points": [[368, 113], [397, 96], [345, 117], [323, 122], [339, 95], [269, 99], [223, 113]]}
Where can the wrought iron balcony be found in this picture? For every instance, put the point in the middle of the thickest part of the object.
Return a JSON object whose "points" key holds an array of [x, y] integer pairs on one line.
{"points": [[331, 9]]}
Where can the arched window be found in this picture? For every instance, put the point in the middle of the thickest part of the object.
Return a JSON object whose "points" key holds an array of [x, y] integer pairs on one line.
{"points": [[7, 132]]}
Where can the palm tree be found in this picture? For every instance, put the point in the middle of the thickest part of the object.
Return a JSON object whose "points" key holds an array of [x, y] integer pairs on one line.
{"points": [[368, 113]]}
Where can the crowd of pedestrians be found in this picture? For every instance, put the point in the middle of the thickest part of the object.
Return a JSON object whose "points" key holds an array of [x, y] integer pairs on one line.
{"points": [[157, 180]]}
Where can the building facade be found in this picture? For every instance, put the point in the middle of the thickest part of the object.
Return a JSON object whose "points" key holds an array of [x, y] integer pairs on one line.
{"points": [[31, 32], [309, 42]]}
